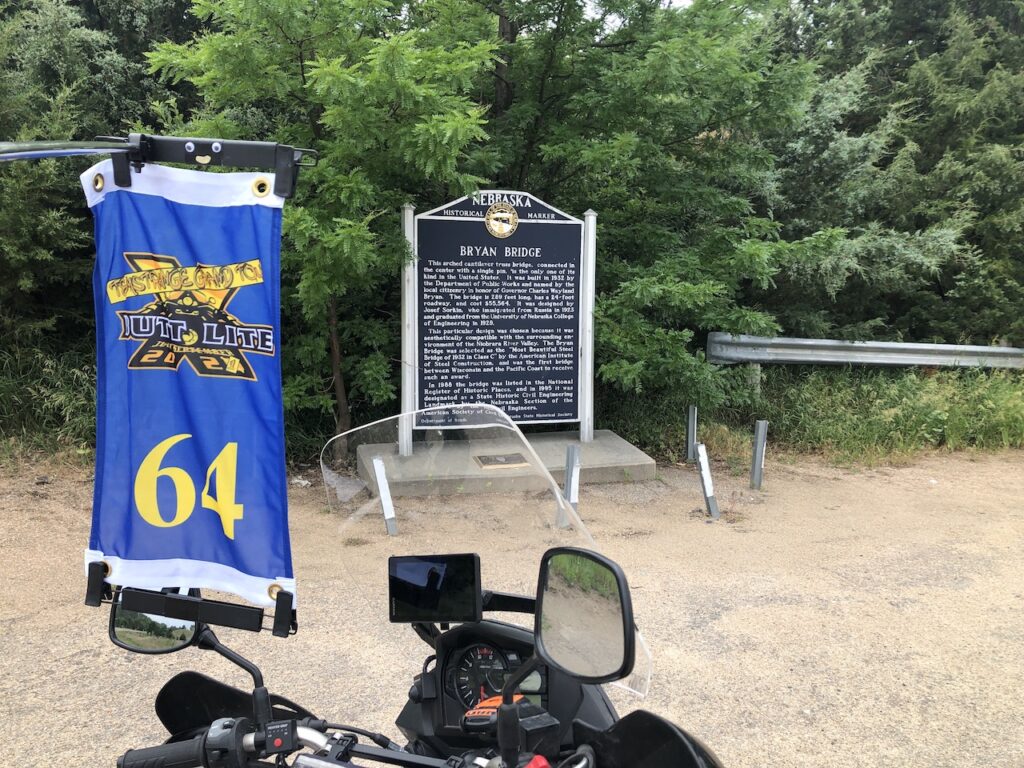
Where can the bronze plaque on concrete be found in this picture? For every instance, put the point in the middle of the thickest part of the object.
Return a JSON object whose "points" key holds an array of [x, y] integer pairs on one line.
{"points": [[502, 461]]}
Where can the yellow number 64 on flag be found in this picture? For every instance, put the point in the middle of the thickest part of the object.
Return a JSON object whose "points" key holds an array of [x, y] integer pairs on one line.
{"points": [[225, 465]]}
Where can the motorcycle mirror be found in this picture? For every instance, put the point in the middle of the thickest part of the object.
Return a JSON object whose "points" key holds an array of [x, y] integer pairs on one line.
{"points": [[148, 633], [584, 617]]}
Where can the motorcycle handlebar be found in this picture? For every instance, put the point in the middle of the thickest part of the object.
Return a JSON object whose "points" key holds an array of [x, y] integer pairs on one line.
{"points": [[192, 754], [308, 737], [180, 754]]}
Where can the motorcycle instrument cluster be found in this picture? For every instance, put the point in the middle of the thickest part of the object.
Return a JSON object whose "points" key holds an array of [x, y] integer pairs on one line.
{"points": [[479, 674], [479, 671]]}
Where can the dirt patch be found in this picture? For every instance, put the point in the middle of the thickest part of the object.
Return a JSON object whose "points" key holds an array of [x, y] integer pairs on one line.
{"points": [[839, 618], [731, 514], [595, 650]]}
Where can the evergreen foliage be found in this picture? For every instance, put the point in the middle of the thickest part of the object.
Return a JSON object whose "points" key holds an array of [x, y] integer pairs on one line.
{"points": [[648, 116], [830, 168], [910, 152], [70, 72]]}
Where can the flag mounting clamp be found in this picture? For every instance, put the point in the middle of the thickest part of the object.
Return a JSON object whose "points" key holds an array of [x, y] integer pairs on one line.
{"points": [[137, 149]]}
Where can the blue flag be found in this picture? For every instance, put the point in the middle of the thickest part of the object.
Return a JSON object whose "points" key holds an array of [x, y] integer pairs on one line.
{"points": [[190, 471]]}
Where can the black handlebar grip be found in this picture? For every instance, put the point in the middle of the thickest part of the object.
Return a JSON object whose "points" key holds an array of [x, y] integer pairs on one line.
{"points": [[180, 754]]}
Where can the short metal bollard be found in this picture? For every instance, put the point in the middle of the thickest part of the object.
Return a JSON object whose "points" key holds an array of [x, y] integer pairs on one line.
{"points": [[691, 434], [571, 491], [706, 484], [572, 476], [757, 462], [386, 504]]}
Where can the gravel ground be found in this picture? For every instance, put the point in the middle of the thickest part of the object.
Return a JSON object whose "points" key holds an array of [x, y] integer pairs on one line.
{"points": [[839, 618]]}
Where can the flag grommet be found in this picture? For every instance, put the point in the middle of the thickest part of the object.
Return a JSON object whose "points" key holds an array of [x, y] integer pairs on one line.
{"points": [[272, 590], [97, 182], [261, 187]]}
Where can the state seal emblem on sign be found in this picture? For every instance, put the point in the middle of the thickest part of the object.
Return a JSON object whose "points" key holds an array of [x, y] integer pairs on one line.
{"points": [[501, 219]]}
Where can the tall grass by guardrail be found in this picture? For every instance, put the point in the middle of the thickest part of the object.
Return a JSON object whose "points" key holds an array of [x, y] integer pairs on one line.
{"points": [[881, 412], [847, 413]]}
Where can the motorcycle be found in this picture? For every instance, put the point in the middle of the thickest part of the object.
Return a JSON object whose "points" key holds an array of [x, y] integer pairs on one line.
{"points": [[517, 657]]}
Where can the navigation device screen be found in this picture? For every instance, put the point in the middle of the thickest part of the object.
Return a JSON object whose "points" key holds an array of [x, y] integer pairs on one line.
{"points": [[434, 588]]}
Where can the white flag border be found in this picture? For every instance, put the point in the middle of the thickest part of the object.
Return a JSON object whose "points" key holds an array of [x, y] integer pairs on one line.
{"points": [[188, 574], [182, 185]]}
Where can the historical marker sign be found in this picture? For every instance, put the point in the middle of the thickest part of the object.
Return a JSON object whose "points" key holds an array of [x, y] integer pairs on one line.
{"points": [[498, 307]]}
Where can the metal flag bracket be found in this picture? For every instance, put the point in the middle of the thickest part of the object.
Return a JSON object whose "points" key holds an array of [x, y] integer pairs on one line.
{"points": [[192, 607], [138, 149]]}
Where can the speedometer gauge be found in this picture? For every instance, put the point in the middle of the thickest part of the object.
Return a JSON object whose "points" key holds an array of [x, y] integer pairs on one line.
{"points": [[479, 673]]}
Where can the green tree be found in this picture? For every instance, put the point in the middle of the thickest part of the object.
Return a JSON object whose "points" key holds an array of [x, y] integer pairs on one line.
{"points": [[385, 98], [832, 168], [653, 117], [60, 82], [909, 154], [67, 75]]}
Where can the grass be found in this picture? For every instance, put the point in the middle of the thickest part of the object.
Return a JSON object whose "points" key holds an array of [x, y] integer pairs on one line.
{"points": [[730, 445], [875, 414], [147, 641], [858, 415], [47, 403], [48, 408], [585, 574]]}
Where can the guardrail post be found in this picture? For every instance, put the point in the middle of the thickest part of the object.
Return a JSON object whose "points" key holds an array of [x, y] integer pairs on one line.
{"points": [[757, 462], [384, 490], [691, 434], [706, 484], [754, 377]]}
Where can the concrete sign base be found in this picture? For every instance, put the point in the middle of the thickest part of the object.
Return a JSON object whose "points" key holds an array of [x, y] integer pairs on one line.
{"points": [[608, 459]]}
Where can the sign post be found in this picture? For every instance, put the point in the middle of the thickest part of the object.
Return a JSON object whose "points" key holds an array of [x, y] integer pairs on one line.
{"points": [[691, 434], [387, 506], [587, 325], [501, 311], [408, 334], [571, 492]]}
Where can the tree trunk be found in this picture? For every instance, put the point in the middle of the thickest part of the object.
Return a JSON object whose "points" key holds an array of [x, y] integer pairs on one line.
{"points": [[508, 31], [533, 133], [342, 416]]}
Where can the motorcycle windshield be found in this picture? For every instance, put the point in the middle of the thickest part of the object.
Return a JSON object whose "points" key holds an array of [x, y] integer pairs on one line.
{"points": [[448, 480]]}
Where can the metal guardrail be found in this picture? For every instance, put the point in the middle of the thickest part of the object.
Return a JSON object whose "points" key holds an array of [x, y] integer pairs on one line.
{"points": [[724, 348]]}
